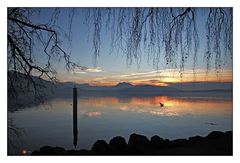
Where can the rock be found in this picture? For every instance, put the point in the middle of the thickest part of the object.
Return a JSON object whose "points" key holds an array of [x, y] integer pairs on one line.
{"points": [[118, 141], [139, 143], [215, 135], [138, 140], [228, 133], [79, 152], [85, 152], [47, 150], [100, 147], [73, 152], [195, 139], [118, 145], [216, 143], [179, 143], [156, 139], [158, 142], [36, 153]]}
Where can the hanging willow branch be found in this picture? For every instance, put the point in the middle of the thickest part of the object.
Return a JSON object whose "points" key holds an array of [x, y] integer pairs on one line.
{"points": [[219, 36], [171, 32]]}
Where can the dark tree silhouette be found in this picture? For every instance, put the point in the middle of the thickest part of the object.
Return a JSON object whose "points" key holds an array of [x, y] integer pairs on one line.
{"points": [[25, 72], [23, 36], [158, 31]]}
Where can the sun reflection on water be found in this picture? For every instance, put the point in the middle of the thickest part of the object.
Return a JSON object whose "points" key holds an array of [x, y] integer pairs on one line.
{"points": [[173, 106]]}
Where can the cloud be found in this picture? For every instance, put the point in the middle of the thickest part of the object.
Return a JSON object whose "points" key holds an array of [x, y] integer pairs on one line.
{"points": [[139, 74], [80, 72], [159, 113], [97, 69], [84, 70], [92, 114], [96, 76]]}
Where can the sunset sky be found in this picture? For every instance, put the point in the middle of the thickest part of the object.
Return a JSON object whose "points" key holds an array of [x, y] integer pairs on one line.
{"points": [[112, 68]]}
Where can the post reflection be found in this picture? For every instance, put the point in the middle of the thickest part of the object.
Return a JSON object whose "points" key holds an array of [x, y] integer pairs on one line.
{"points": [[75, 127]]}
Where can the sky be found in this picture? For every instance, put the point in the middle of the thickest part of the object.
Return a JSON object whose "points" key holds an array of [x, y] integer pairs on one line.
{"points": [[112, 68]]}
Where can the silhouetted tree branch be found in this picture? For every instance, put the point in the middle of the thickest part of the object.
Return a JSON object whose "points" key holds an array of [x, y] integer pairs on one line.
{"points": [[23, 36]]}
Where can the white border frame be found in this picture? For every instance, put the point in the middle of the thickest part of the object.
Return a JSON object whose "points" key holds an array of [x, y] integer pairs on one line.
{"points": [[119, 3]]}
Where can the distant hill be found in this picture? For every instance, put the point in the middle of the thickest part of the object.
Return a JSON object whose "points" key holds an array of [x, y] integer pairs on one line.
{"points": [[149, 90], [88, 87], [176, 87], [21, 90], [123, 85], [202, 86]]}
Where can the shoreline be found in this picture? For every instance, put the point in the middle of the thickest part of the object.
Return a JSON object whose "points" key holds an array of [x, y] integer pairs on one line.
{"points": [[215, 143]]}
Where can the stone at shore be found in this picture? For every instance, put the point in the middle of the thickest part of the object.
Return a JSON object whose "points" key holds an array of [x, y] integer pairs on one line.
{"points": [[158, 142], [47, 150], [215, 135], [119, 146], [100, 147], [195, 139], [215, 143], [138, 144]]}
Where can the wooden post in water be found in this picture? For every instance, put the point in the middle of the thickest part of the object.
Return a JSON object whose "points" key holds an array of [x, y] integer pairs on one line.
{"points": [[75, 128]]}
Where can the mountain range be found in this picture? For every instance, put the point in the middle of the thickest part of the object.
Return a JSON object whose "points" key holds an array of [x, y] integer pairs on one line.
{"points": [[129, 88], [189, 86], [23, 93]]}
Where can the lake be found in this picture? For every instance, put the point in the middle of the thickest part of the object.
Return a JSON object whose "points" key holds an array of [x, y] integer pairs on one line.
{"points": [[105, 117]]}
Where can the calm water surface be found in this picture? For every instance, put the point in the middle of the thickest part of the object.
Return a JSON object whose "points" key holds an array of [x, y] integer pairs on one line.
{"points": [[105, 117]]}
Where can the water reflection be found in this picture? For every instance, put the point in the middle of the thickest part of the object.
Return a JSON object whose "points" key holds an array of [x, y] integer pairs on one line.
{"points": [[93, 114], [106, 117], [172, 106]]}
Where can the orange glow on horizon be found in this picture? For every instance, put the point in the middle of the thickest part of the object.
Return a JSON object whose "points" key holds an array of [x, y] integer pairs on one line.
{"points": [[152, 78]]}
